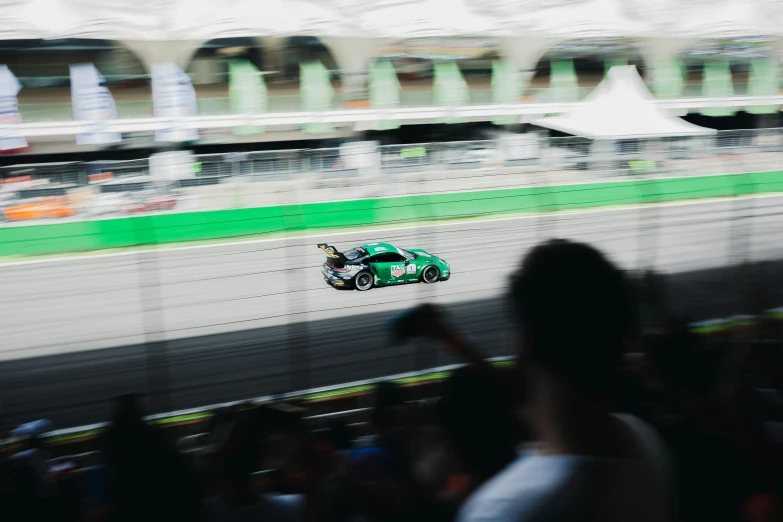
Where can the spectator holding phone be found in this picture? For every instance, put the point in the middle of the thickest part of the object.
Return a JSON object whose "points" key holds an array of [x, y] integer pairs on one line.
{"points": [[575, 315]]}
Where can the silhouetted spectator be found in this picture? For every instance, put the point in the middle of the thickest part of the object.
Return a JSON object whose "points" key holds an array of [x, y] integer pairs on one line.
{"points": [[575, 314], [147, 478], [21, 496], [478, 418], [35, 454], [238, 500], [340, 436], [389, 451]]}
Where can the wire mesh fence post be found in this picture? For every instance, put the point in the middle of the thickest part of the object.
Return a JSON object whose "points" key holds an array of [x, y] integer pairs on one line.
{"points": [[649, 197], [296, 300], [155, 345], [742, 212], [427, 353], [546, 206]]}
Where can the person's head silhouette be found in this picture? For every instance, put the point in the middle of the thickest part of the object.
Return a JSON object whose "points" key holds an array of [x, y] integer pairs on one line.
{"points": [[575, 314]]}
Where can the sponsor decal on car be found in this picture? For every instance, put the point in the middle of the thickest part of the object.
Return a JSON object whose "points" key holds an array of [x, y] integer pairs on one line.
{"points": [[411, 269], [397, 270]]}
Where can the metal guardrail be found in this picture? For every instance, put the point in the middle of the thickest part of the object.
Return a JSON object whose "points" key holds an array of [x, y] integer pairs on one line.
{"points": [[510, 150], [286, 397], [217, 105], [281, 177], [347, 117]]}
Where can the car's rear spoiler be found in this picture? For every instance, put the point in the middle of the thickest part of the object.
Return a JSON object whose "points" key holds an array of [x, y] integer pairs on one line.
{"points": [[332, 252]]}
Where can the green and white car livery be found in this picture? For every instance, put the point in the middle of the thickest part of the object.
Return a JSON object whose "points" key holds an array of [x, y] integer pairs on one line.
{"points": [[381, 264]]}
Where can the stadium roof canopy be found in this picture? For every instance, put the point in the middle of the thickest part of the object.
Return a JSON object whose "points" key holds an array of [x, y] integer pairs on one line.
{"points": [[621, 107], [161, 20]]}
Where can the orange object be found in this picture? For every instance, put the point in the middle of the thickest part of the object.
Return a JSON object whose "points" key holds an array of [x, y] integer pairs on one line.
{"points": [[21, 178], [357, 104], [103, 176], [52, 207]]}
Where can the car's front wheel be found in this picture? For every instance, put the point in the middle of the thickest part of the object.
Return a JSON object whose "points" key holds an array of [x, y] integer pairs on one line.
{"points": [[431, 274], [363, 281]]}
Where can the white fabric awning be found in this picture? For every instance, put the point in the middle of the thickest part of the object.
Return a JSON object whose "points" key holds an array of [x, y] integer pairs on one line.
{"points": [[621, 107]]}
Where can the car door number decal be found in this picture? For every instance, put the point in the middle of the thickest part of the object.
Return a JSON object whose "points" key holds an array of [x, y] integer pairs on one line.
{"points": [[411, 269]]}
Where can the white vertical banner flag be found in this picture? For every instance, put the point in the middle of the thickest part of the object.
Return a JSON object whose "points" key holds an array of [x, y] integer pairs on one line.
{"points": [[92, 101], [9, 110], [173, 96]]}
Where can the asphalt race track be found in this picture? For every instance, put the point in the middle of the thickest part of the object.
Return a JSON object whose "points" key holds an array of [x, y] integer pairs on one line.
{"points": [[224, 322]]}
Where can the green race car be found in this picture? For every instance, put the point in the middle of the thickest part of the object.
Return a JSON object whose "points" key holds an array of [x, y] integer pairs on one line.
{"points": [[381, 264]]}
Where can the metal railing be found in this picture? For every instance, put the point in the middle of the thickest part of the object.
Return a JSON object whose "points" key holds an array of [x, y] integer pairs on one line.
{"points": [[269, 178], [289, 101], [348, 117]]}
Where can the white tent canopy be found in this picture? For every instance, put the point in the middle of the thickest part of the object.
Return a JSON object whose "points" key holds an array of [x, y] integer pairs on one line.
{"points": [[621, 107]]}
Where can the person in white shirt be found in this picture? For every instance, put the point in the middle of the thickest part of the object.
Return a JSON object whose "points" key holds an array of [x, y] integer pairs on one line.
{"points": [[574, 313]]}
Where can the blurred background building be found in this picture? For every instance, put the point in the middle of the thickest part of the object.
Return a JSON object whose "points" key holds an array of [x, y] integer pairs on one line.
{"points": [[263, 62]]}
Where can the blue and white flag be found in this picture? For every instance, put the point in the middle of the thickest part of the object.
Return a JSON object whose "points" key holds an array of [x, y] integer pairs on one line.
{"points": [[173, 97], [9, 110], [92, 102]]}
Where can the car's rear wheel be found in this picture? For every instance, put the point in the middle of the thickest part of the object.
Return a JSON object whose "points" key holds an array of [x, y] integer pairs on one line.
{"points": [[431, 274], [363, 281]]}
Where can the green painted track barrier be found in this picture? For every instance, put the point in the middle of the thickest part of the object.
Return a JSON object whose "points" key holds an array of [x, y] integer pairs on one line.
{"points": [[223, 224]]}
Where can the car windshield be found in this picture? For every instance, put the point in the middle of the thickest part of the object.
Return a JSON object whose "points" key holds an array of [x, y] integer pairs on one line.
{"points": [[409, 255], [354, 254]]}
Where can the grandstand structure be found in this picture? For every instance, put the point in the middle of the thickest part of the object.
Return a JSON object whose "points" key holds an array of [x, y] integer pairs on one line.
{"points": [[353, 34]]}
